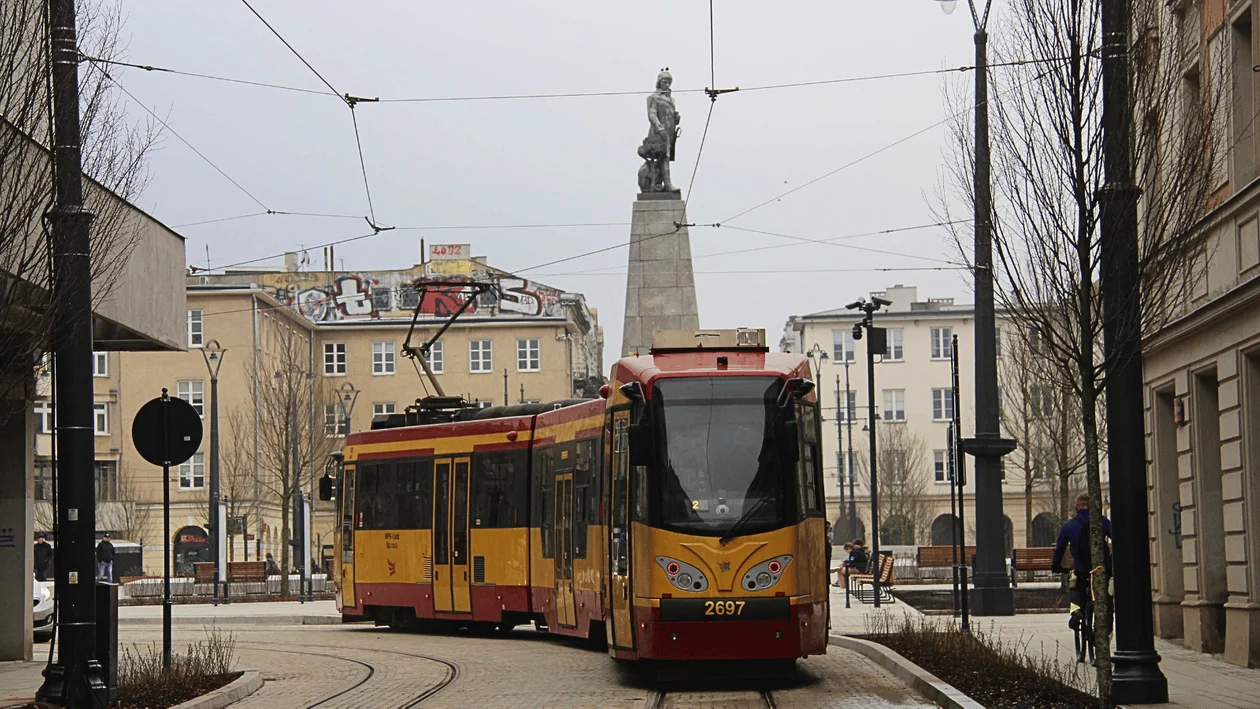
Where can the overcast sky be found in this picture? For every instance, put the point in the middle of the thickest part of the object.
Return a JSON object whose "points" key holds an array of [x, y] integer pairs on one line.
{"points": [[560, 160]]}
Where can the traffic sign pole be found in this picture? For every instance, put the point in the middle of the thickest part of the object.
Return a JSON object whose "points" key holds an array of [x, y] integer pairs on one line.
{"points": [[166, 530]]}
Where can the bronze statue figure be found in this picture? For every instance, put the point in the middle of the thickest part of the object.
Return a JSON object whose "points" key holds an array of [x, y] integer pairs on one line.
{"points": [[658, 148]]}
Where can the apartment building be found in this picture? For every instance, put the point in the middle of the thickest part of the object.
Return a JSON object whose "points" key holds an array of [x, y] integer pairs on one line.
{"points": [[914, 409], [340, 337], [1202, 370]]}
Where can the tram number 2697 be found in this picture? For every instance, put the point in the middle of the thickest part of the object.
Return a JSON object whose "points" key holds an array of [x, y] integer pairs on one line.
{"points": [[723, 607]]}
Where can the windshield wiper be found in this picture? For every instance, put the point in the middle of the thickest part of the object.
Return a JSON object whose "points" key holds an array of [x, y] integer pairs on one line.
{"points": [[743, 519]]}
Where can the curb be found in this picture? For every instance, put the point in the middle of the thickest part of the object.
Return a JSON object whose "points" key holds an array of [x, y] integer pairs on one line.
{"points": [[248, 683], [921, 680], [239, 620]]}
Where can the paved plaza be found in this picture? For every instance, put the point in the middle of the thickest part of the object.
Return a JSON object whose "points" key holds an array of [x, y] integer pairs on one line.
{"points": [[307, 658]]}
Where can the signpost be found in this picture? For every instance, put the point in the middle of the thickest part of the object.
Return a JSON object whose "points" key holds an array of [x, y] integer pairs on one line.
{"points": [[166, 432]]}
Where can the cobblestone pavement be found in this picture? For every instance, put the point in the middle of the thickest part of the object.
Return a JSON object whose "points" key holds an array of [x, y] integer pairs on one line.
{"points": [[357, 666]]}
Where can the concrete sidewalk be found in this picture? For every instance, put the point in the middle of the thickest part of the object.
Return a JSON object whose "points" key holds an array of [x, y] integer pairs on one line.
{"points": [[1195, 680], [272, 613]]}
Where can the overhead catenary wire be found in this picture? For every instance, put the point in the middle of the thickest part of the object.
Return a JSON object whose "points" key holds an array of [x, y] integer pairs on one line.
{"points": [[297, 54]]}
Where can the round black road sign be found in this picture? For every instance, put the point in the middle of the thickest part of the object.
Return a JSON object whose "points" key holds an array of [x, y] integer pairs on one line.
{"points": [[181, 424]]}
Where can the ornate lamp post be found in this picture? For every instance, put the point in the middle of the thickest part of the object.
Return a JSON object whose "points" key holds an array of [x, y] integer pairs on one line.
{"points": [[993, 595], [213, 354], [876, 344], [348, 395]]}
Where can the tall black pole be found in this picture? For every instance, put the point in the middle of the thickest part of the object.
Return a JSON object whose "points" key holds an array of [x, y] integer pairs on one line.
{"points": [[848, 424], [841, 405], [960, 480], [953, 511], [992, 592], [870, 417], [214, 480], [1136, 677], [167, 619], [75, 679]]}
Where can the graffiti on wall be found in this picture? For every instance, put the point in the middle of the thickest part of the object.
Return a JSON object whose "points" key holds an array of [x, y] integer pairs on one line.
{"points": [[390, 293]]}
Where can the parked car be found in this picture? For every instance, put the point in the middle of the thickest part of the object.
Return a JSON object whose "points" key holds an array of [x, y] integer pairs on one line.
{"points": [[42, 613]]}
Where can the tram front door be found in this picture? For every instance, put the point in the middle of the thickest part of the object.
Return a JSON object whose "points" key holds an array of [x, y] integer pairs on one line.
{"points": [[451, 588]]}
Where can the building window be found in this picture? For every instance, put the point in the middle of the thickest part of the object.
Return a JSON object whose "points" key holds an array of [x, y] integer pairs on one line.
{"points": [[382, 358], [100, 419], [436, 359], [107, 481], [100, 364], [942, 343], [195, 332], [940, 466], [942, 404], [1040, 401], [192, 472], [527, 355], [43, 417], [896, 338], [842, 345], [894, 404], [997, 341], [483, 404], [334, 358], [193, 391], [847, 460], [382, 409], [43, 479], [336, 424], [480, 356]]}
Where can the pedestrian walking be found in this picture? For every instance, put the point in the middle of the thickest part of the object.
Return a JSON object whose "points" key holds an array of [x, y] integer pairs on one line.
{"points": [[105, 560], [43, 557]]}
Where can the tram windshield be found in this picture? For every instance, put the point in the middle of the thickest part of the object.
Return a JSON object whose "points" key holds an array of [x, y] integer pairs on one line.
{"points": [[719, 457]]}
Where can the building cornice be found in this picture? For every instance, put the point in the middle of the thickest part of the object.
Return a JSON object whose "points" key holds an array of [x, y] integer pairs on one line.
{"points": [[1244, 296]]}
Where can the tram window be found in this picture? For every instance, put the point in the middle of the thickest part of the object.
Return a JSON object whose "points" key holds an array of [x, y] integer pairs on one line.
{"points": [[441, 505], [493, 496], [365, 498], [386, 493], [621, 492], [424, 494], [809, 463], [640, 494], [405, 498], [459, 531], [580, 507], [347, 516], [544, 503]]}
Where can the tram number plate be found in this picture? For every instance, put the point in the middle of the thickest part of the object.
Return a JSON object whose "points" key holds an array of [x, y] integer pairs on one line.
{"points": [[674, 609]]}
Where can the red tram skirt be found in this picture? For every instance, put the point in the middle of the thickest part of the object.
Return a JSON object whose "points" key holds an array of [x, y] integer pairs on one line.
{"points": [[803, 633]]}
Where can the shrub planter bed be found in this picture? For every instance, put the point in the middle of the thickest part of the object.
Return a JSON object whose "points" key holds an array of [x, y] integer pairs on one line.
{"points": [[998, 675], [1027, 600]]}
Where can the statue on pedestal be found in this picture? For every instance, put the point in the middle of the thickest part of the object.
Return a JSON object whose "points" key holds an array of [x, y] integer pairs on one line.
{"points": [[658, 147]]}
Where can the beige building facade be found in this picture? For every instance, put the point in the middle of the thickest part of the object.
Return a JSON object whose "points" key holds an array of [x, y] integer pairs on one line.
{"points": [[349, 362], [913, 404], [1202, 375]]}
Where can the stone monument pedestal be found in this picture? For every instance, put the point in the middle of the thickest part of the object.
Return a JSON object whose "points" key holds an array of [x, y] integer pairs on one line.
{"points": [[660, 285]]}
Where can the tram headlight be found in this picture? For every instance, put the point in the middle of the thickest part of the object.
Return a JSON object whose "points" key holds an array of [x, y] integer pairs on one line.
{"points": [[767, 573], [683, 576]]}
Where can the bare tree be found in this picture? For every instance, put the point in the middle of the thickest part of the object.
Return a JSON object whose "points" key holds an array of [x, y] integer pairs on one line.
{"points": [[294, 441], [905, 512], [239, 481], [127, 515], [1048, 181], [114, 159]]}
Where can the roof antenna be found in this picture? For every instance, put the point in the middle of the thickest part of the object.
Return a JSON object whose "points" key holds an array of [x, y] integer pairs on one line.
{"points": [[207, 257]]}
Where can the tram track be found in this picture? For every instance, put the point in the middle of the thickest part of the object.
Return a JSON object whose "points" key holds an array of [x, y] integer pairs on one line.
{"points": [[451, 674], [751, 699]]}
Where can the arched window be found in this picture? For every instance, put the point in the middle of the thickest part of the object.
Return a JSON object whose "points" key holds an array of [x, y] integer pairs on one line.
{"points": [[1044, 530], [941, 533], [1008, 534], [896, 531]]}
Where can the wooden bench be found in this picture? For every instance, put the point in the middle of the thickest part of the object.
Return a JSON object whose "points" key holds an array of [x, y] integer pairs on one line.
{"points": [[1036, 559], [203, 572], [129, 579], [936, 557], [247, 571], [863, 585]]}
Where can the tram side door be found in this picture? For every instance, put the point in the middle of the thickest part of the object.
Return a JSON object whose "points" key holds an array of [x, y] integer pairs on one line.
{"points": [[622, 603], [347, 538], [563, 518], [451, 586]]}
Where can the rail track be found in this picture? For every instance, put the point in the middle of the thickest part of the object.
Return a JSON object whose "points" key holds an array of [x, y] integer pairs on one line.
{"points": [[746, 699], [451, 674]]}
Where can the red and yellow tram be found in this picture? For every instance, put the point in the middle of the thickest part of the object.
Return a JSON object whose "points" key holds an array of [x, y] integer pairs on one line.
{"points": [[681, 515]]}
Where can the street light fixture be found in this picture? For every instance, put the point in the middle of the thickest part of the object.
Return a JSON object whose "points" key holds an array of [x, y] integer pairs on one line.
{"points": [[213, 353], [876, 344], [349, 395], [947, 6]]}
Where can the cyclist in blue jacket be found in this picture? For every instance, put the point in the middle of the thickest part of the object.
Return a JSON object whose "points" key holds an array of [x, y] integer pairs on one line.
{"points": [[1075, 535]]}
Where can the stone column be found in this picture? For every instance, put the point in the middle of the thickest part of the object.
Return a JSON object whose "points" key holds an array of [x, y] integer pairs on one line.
{"points": [[17, 443], [660, 285]]}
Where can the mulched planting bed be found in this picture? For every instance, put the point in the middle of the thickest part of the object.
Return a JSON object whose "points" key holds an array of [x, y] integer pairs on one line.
{"points": [[169, 695], [978, 671]]}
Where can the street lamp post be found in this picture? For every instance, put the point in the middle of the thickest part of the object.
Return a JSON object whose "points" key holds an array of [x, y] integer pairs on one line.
{"points": [[213, 354], [876, 343], [992, 591]]}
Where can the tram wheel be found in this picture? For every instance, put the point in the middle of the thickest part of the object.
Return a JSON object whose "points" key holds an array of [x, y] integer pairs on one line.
{"points": [[505, 627]]}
